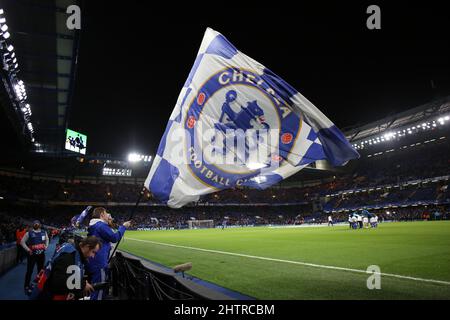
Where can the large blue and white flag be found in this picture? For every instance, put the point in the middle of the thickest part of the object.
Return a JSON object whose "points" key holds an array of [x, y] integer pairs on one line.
{"points": [[236, 123]]}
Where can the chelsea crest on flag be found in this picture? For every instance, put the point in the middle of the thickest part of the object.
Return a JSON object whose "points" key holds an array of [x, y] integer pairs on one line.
{"points": [[237, 124]]}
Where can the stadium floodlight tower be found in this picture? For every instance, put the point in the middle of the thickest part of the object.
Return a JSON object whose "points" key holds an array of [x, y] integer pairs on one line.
{"points": [[3, 26], [423, 118], [135, 157]]}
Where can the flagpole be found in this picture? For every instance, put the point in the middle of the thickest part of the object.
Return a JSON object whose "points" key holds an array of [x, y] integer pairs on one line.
{"points": [[141, 194]]}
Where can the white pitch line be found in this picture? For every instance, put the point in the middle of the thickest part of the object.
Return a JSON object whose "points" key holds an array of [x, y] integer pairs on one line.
{"points": [[293, 262]]}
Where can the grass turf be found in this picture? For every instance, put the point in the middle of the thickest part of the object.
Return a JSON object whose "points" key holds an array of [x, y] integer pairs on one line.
{"points": [[415, 249]]}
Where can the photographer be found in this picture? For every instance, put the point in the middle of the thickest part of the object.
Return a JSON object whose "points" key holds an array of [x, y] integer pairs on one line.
{"points": [[100, 226], [71, 254]]}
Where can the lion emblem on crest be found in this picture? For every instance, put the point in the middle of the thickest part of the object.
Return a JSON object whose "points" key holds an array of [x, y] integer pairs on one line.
{"points": [[248, 117]]}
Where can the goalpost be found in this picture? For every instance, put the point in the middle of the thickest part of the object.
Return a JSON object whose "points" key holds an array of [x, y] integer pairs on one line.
{"points": [[200, 224]]}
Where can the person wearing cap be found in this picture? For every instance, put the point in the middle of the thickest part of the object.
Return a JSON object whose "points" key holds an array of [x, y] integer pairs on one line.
{"points": [[100, 226], [35, 242]]}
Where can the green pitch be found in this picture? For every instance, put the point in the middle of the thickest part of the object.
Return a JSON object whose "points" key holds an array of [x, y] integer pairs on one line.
{"points": [[239, 259]]}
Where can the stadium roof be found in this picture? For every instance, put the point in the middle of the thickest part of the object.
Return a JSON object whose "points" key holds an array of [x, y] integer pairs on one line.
{"points": [[46, 51], [429, 111]]}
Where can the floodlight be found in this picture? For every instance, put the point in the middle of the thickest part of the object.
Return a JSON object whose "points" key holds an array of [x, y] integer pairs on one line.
{"points": [[133, 157]]}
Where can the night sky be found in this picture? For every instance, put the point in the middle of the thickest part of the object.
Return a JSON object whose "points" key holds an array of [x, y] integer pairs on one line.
{"points": [[134, 60]]}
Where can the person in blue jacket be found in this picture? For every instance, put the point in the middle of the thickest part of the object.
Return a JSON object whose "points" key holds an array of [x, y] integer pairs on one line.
{"points": [[100, 226]]}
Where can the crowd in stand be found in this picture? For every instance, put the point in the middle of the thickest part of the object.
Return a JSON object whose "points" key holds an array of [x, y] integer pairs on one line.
{"points": [[44, 190], [14, 187], [392, 168], [398, 195], [8, 227]]}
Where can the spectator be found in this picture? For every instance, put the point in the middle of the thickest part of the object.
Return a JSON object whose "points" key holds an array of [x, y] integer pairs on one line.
{"points": [[98, 265]]}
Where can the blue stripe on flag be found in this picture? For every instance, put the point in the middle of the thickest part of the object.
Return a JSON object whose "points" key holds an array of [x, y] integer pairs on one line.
{"points": [[193, 70], [336, 147], [222, 47], [162, 144], [281, 87], [315, 152], [163, 179], [180, 115], [312, 135]]}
